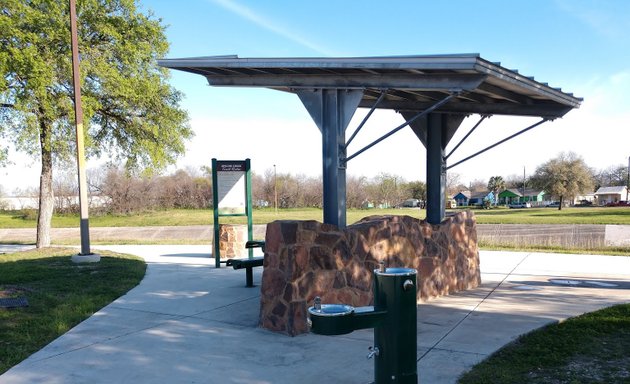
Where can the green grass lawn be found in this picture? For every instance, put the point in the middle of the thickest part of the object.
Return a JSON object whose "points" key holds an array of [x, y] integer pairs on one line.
{"points": [[60, 295], [592, 348], [596, 215], [590, 215]]}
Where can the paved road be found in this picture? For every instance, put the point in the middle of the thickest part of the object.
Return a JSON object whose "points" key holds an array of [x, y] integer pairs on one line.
{"points": [[559, 235]]}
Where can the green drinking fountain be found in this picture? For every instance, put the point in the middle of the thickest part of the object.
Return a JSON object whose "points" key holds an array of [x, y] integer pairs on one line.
{"points": [[393, 317]]}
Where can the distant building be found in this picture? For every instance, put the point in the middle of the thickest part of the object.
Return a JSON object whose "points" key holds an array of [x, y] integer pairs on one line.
{"points": [[467, 198], [479, 198], [462, 198], [511, 196], [605, 195]]}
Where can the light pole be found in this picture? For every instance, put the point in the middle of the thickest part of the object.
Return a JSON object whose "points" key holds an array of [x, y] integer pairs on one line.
{"points": [[86, 255], [275, 189]]}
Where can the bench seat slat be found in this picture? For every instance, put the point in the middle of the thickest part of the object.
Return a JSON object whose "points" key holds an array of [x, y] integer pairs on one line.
{"points": [[248, 265], [245, 263]]}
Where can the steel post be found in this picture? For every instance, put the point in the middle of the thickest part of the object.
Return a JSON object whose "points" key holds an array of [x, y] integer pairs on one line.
{"points": [[332, 110], [436, 169]]}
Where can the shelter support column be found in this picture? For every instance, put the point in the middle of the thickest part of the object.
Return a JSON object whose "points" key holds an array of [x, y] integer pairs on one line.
{"points": [[436, 169], [332, 110], [435, 130]]}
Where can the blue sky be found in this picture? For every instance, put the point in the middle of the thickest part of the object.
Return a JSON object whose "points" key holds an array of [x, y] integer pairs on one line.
{"points": [[581, 46]]}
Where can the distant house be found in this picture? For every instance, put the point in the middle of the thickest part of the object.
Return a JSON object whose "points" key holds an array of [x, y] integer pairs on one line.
{"points": [[605, 195], [467, 198], [462, 198], [513, 195], [478, 198], [509, 196]]}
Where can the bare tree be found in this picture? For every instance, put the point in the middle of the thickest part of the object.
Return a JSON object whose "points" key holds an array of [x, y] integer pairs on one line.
{"points": [[515, 182], [356, 191], [313, 192], [4, 205], [124, 191], [269, 187], [452, 183], [66, 191], [615, 175], [258, 190], [478, 185]]}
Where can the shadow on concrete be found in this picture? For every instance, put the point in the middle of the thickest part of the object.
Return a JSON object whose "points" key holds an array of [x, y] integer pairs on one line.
{"points": [[573, 282]]}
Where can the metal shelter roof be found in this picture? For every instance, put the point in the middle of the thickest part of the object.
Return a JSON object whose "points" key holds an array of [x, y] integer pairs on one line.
{"points": [[433, 93], [411, 83]]}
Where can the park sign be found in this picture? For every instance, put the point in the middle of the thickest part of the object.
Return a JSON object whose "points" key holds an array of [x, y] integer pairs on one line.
{"points": [[231, 196], [231, 191]]}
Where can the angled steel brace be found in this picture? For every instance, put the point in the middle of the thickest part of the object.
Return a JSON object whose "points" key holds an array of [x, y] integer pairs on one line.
{"points": [[465, 137], [365, 119], [385, 136], [332, 110], [499, 142]]}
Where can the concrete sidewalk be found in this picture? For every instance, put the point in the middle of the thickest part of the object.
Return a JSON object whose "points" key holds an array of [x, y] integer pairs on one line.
{"points": [[188, 322]]}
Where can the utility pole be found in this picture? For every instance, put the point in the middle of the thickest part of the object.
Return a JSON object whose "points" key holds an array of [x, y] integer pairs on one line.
{"points": [[85, 255], [523, 184]]}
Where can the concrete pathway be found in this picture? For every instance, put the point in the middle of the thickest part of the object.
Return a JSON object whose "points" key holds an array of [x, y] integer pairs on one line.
{"points": [[188, 322], [9, 248]]}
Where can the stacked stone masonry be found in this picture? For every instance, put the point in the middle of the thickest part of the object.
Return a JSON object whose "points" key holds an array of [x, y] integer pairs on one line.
{"points": [[232, 239], [304, 259]]}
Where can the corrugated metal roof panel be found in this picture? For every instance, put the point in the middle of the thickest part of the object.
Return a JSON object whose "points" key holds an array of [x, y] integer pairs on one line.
{"points": [[483, 87]]}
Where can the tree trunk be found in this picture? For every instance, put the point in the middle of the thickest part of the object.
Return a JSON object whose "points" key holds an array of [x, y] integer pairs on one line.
{"points": [[46, 202], [560, 205]]}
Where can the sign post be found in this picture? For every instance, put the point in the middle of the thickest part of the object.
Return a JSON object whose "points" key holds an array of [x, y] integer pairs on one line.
{"points": [[231, 196]]}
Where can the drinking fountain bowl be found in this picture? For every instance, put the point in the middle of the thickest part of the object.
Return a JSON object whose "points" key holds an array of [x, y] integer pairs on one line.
{"points": [[331, 319]]}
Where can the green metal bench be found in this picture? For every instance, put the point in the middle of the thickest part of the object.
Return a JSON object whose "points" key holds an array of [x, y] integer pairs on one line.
{"points": [[249, 263]]}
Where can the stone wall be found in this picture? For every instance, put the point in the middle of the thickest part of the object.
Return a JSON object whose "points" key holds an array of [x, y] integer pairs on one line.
{"points": [[304, 259], [232, 239]]}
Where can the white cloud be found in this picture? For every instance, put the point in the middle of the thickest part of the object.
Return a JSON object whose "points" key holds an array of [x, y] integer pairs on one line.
{"points": [[607, 96], [607, 18], [271, 25]]}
